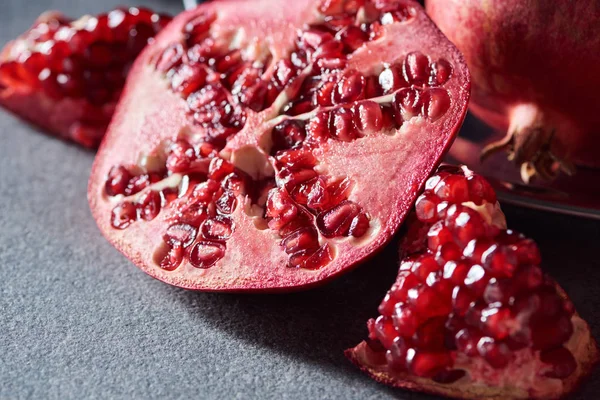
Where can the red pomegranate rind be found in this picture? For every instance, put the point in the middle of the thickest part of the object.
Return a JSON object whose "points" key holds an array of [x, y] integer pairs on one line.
{"points": [[66, 75], [471, 314], [310, 141]]}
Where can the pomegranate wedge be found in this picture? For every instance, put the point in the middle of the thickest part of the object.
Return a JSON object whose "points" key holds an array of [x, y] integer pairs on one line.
{"points": [[67, 75], [269, 145], [471, 314]]}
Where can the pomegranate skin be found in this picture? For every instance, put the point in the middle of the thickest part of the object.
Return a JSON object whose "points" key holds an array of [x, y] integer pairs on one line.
{"points": [[532, 66]]}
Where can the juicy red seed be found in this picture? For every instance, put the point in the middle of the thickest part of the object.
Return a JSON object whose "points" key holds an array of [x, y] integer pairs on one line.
{"points": [[427, 303], [149, 205], [206, 254], [302, 239], [342, 220], [455, 271], [453, 188], [311, 259], [497, 354], [426, 207], [368, 117], [477, 279], [385, 331], [188, 78], [181, 156], [226, 203], [480, 190], [180, 234], [170, 58], [499, 291], [461, 300], [448, 252], [99, 54], [123, 215], [423, 266], [496, 322], [391, 79], [396, 355], [218, 228], [350, 87], [209, 95], [466, 341], [342, 125], [547, 334], [317, 129], [173, 258], [561, 361], [501, 261], [426, 364], [292, 178], [407, 103], [313, 38], [117, 181], [440, 72], [324, 94], [406, 321], [436, 103], [296, 159], [197, 28], [416, 68], [352, 36], [219, 169], [288, 134], [430, 335], [438, 235]]}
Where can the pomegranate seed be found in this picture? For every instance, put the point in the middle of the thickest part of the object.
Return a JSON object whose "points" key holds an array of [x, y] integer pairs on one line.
{"points": [[436, 103], [197, 27], [423, 266], [317, 129], [206, 254], [218, 228], [149, 205], [466, 342], [219, 169], [342, 125], [180, 234], [405, 320], [352, 37], [342, 220], [429, 335], [440, 72], [349, 88], [173, 258], [407, 103], [117, 181], [368, 117], [302, 239], [226, 203], [438, 236], [188, 78], [313, 38], [288, 134], [391, 79], [396, 355], [181, 156], [427, 364], [324, 94], [123, 215], [461, 300], [385, 331], [416, 68], [170, 58], [496, 354]]}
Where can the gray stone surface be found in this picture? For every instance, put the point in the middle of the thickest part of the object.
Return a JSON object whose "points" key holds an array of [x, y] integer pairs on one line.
{"points": [[78, 321]]}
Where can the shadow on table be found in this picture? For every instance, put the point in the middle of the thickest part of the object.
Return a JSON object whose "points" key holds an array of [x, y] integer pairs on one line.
{"points": [[319, 324]]}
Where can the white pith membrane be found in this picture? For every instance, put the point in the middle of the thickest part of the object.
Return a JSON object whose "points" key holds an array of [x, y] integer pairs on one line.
{"points": [[410, 151], [523, 378]]}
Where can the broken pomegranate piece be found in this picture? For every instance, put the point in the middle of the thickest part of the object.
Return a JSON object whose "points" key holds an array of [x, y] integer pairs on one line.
{"points": [[471, 314], [66, 75], [290, 138]]}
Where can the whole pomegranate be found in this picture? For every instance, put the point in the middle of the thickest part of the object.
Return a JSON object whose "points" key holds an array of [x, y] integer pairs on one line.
{"points": [[534, 69], [472, 314], [270, 145]]}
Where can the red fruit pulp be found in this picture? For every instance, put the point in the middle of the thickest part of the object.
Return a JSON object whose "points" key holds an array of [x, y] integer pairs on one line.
{"points": [[289, 138], [532, 77], [471, 313], [67, 75]]}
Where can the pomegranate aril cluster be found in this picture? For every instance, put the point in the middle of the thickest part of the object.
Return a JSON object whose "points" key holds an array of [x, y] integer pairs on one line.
{"points": [[305, 205], [476, 291], [89, 59]]}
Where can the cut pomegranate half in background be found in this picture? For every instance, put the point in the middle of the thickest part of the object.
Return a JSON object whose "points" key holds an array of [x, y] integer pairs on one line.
{"points": [[269, 145], [471, 314], [66, 75]]}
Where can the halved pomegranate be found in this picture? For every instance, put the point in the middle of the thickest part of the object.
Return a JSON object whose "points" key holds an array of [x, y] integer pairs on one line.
{"points": [[471, 314], [269, 145], [66, 75]]}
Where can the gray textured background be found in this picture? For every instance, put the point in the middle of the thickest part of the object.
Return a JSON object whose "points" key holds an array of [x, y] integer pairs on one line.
{"points": [[77, 320]]}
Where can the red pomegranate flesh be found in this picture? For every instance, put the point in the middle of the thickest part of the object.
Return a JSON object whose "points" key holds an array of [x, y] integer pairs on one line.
{"points": [[269, 145], [66, 75], [471, 314], [534, 77]]}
